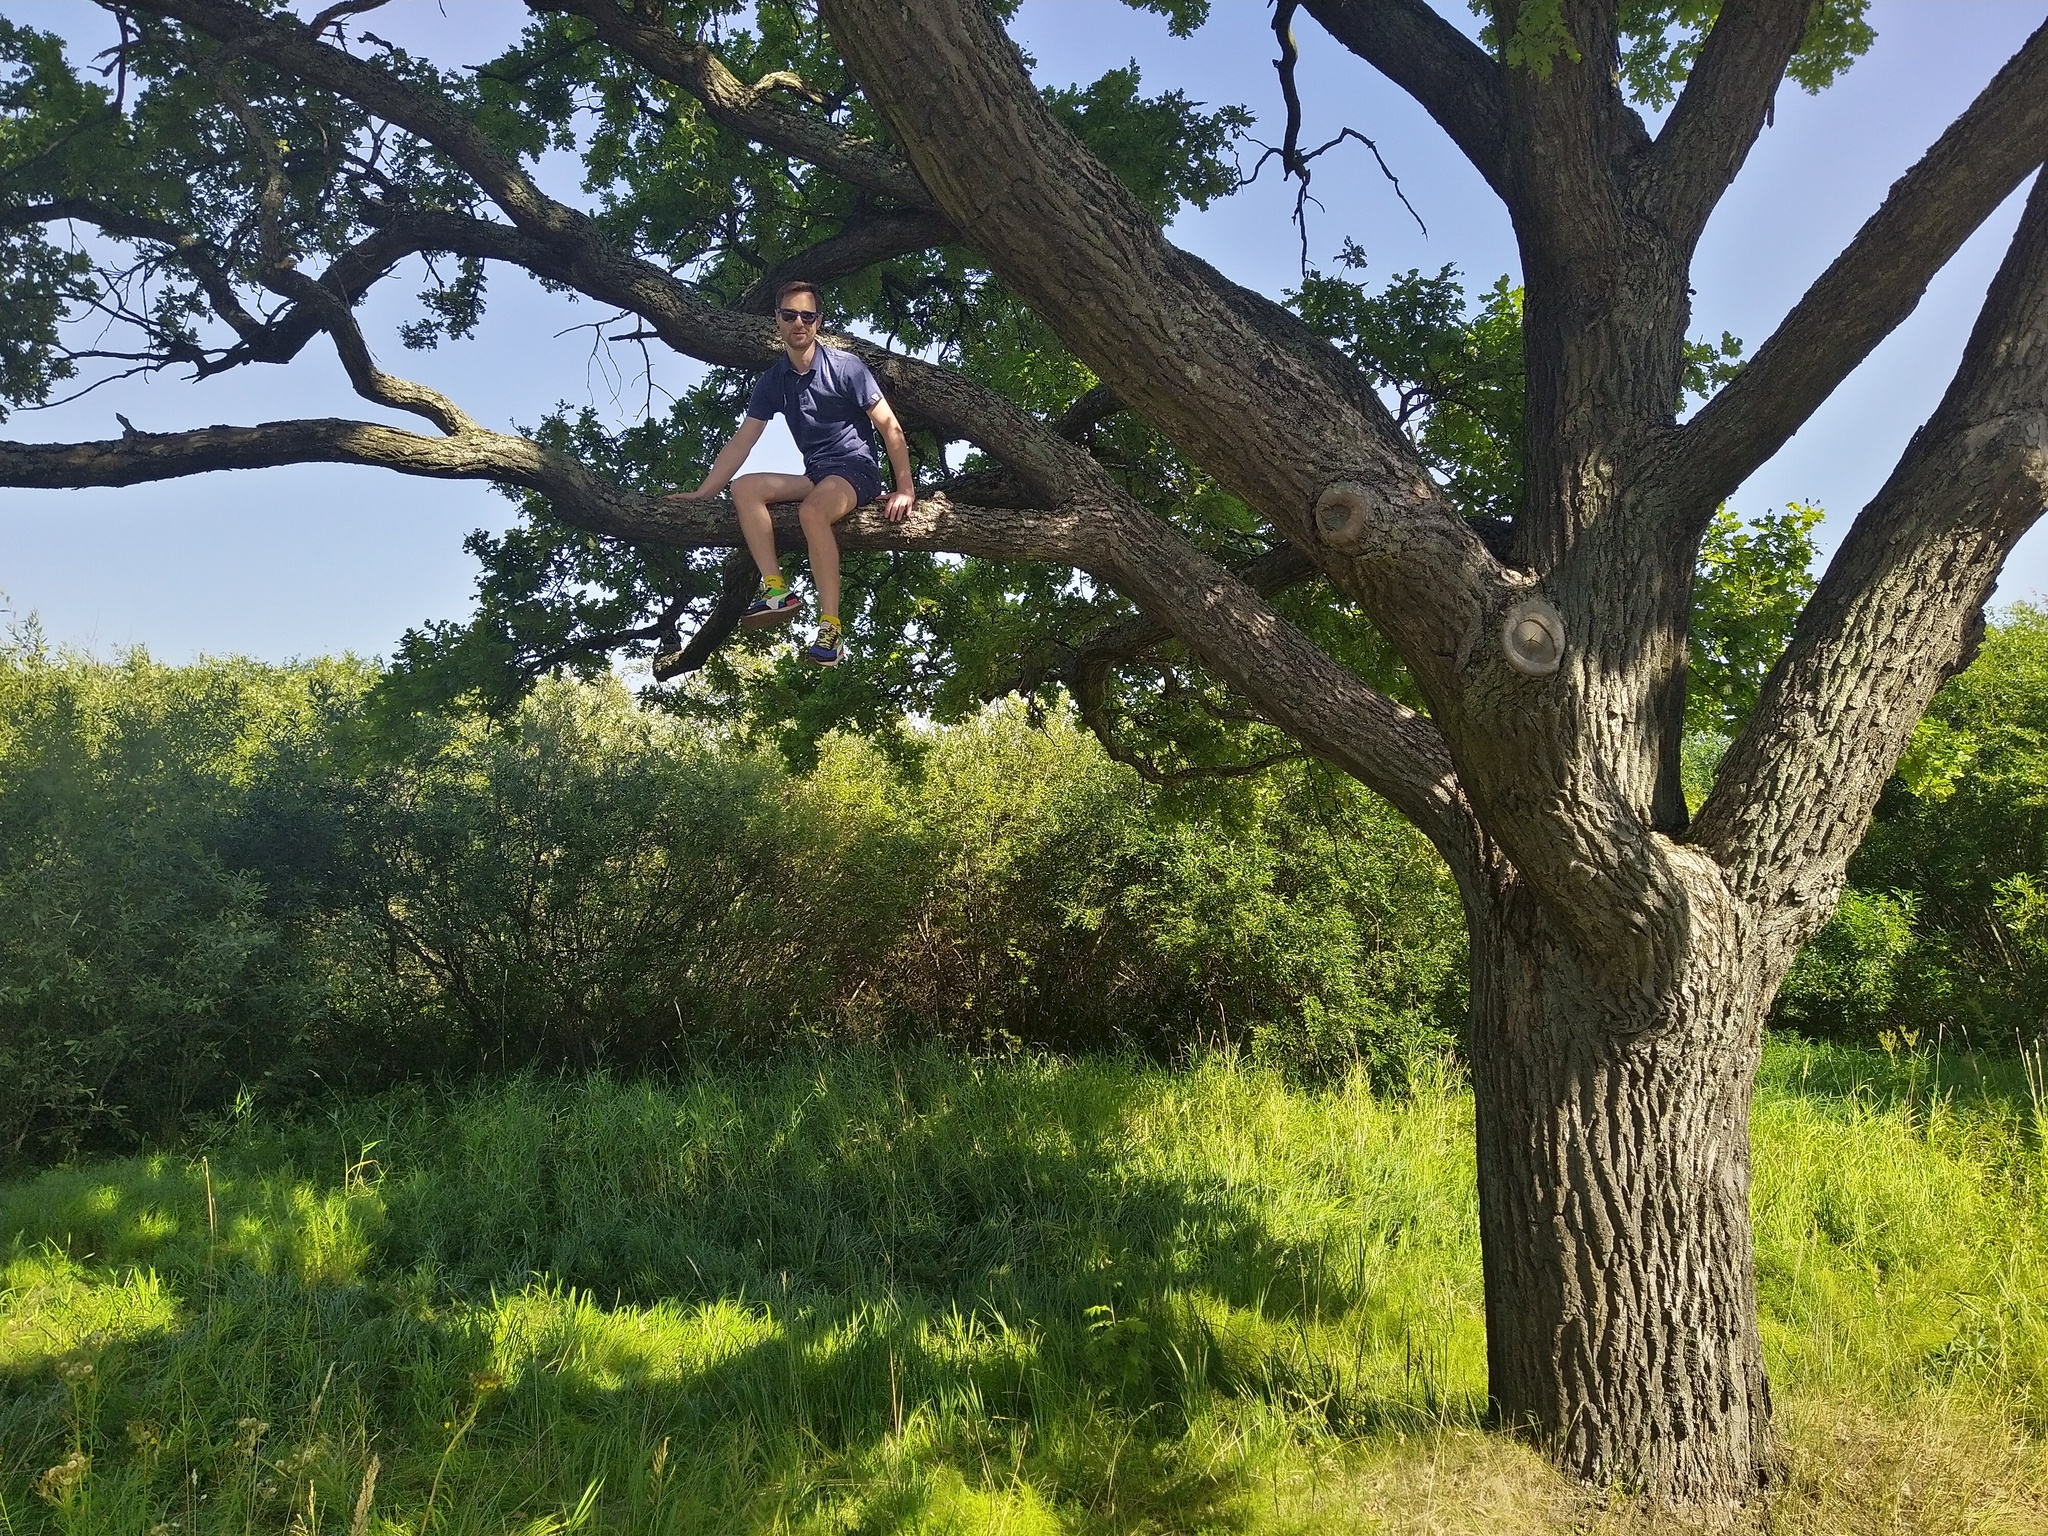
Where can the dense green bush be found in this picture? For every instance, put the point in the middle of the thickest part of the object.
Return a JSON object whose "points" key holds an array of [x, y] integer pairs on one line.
{"points": [[1846, 981], [229, 877], [141, 974], [596, 883]]}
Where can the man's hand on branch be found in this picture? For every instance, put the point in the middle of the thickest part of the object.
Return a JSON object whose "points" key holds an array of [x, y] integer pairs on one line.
{"points": [[898, 506], [703, 492]]}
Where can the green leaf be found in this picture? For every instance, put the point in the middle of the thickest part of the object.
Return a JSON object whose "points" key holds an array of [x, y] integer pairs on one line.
{"points": [[1752, 581]]}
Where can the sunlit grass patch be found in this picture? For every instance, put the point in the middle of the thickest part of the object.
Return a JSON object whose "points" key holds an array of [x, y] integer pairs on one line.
{"points": [[1902, 1239], [55, 1314], [1853, 1467], [916, 1292], [174, 1213]]}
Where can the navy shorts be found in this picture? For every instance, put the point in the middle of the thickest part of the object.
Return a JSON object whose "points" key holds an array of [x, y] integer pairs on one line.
{"points": [[861, 474]]}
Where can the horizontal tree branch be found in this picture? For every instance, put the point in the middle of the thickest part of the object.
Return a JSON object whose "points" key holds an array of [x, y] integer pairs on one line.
{"points": [[1223, 620], [948, 401], [1896, 612], [1874, 284], [557, 241], [879, 237], [575, 494]]}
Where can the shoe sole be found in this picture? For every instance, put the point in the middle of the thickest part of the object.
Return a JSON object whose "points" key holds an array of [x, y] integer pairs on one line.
{"points": [[817, 663], [771, 618]]}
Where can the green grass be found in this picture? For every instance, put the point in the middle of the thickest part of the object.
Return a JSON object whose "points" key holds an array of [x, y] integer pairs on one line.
{"points": [[913, 1292]]}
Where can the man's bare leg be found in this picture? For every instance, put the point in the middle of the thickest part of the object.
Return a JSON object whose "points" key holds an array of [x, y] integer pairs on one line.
{"points": [[832, 500], [751, 496]]}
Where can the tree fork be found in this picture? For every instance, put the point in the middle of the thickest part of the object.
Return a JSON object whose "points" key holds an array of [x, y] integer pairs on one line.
{"points": [[1622, 962]]}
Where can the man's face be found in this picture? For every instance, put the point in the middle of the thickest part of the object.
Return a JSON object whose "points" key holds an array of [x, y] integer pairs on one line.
{"points": [[798, 331]]}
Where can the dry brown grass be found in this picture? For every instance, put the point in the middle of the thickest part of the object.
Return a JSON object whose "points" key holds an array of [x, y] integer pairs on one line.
{"points": [[1848, 1472], [1944, 1472]]}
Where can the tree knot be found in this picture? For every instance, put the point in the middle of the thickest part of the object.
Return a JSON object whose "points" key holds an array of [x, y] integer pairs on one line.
{"points": [[1532, 636], [1344, 515]]}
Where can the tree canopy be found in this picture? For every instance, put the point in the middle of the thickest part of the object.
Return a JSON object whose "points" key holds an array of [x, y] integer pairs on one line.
{"points": [[1452, 544], [936, 636]]}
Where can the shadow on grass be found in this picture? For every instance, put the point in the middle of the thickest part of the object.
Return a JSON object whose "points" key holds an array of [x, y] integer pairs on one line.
{"points": [[863, 1293]]}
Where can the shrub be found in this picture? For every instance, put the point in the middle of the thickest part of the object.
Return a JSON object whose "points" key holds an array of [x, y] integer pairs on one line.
{"points": [[141, 975], [1845, 982], [1962, 831], [231, 877], [596, 883]]}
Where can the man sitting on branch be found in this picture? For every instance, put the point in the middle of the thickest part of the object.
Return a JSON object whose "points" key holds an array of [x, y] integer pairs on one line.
{"points": [[828, 397]]}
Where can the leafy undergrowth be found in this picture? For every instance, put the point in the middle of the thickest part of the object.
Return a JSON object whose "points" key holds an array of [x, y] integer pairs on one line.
{"points": [[918, 1293]]}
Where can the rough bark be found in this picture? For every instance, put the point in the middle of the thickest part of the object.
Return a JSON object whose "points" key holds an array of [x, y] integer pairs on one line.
{"points": [[1622, 962], [1899, 605], [1620, 979], [1614, 1196], [1239, 384], [1278, 416], [1719, 113]]}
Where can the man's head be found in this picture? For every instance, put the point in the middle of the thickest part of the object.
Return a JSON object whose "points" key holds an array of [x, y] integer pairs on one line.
{"points": [[797, 308]]}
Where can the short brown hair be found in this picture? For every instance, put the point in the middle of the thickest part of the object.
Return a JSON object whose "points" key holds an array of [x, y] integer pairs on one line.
{"points": [[797, 285]]}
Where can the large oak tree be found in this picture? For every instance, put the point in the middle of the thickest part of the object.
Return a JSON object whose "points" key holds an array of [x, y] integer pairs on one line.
{"points": [[1264, 546]]}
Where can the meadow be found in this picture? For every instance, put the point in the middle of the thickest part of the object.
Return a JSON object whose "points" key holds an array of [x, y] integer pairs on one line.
{"points": [[591, 1120], [911, 1289]]}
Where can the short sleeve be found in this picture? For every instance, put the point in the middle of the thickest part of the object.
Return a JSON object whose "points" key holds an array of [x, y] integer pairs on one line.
{"points": [[860, 383], [766, 399]]}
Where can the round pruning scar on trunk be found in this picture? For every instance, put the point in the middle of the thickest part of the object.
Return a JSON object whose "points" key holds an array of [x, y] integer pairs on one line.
{"points": [[1345, 515], [1381, 495], [1532, 634]]}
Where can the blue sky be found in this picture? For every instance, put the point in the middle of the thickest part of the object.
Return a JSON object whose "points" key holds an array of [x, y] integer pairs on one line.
{"points": [[318, 559]]}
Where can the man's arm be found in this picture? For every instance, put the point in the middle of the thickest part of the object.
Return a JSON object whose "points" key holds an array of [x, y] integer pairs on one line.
{"points": [[904, 496], [729, 460]]}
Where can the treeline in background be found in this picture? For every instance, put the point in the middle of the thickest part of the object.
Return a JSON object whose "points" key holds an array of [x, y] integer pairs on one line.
{"points": [[230, 882]]}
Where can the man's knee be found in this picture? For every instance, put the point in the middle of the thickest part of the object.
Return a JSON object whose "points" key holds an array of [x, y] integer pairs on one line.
{"points": [[822, 508]]}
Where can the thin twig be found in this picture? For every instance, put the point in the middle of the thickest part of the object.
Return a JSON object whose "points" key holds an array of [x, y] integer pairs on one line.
{"points": [[1294, 160]]}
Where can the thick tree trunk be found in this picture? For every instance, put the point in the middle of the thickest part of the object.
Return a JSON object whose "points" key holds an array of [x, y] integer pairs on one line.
{"points": [[1613, 1129]]}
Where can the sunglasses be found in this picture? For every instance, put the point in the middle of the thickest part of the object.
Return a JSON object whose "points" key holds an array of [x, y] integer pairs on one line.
{"points": [[798, 316]]}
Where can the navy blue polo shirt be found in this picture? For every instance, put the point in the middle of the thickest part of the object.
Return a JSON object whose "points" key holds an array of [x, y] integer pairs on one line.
{"points": [[826, 408]]}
